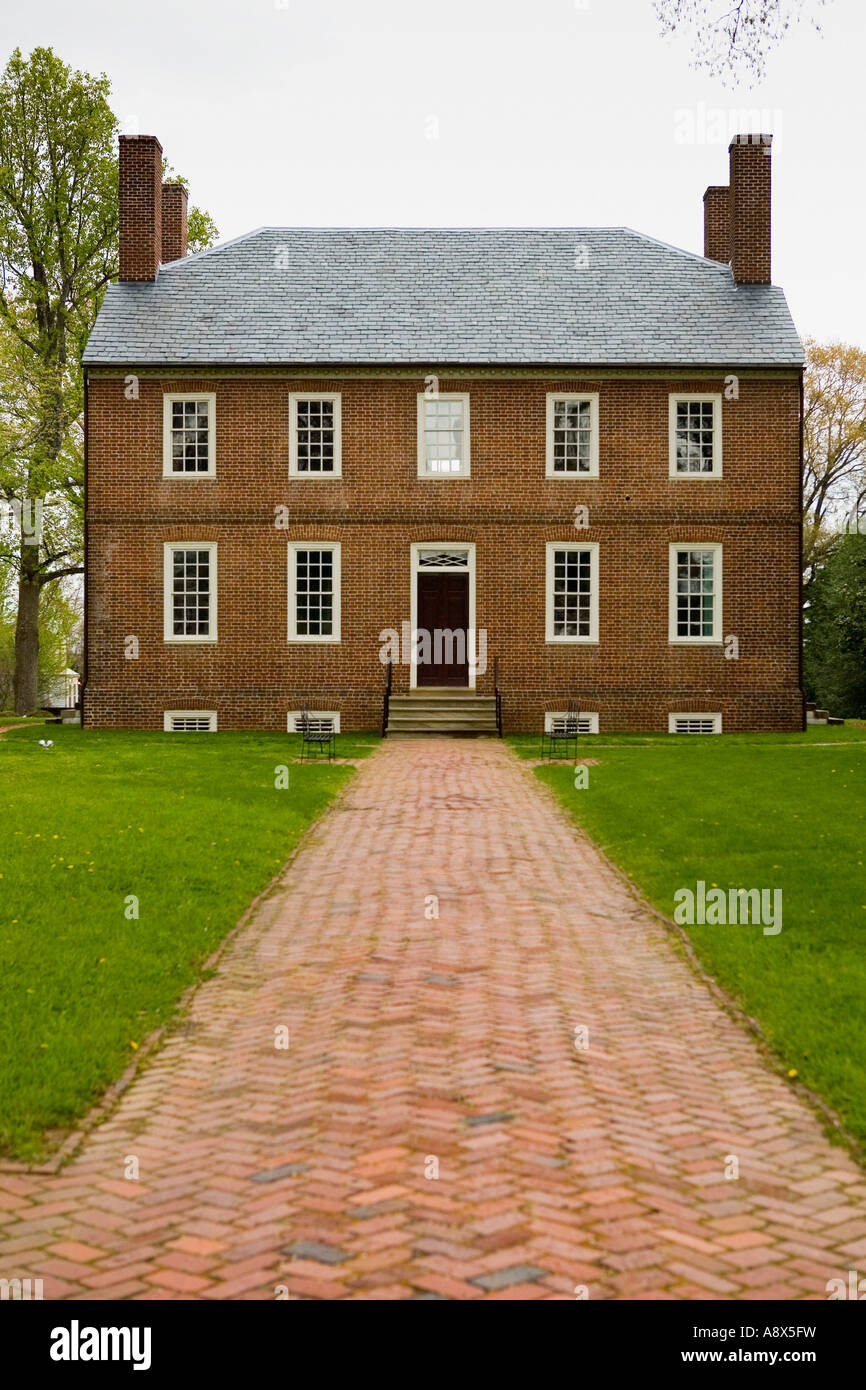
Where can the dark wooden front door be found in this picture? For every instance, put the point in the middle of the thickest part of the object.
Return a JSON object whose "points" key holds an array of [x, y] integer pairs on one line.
{"points": [[443, 614]]}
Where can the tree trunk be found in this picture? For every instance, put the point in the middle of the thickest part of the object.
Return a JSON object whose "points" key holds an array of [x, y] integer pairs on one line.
{"points": [[27, 633]]}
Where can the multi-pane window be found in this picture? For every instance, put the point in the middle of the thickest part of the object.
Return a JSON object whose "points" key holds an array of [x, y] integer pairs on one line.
{"points": [[314, 439], [572, 436], [314, 592], [190, 592], [443, 436], [695, 607], [695, 429], [188, 435], [572, 593]]}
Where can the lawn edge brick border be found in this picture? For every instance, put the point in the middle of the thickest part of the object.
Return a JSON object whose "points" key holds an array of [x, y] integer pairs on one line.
{"points": [[834, 1128], [112, 1096]]}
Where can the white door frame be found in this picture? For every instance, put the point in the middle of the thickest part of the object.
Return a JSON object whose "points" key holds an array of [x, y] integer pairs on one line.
{"points": [[469, 568]]}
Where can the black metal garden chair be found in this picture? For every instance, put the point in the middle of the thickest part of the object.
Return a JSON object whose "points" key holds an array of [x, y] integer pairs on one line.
{"points": [[318, 735], [562, 734]]}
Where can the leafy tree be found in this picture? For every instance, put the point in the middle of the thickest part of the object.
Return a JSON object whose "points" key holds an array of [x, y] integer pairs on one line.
{"points": [[834, 445], [60, 625], [834, 652], [733, 38], [58, 251]]}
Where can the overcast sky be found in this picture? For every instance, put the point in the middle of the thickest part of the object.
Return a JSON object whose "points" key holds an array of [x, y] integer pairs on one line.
{"points": [[483, 113]]}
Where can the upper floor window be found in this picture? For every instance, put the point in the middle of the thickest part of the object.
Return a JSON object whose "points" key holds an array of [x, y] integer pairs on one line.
{"points": [[443, 435], [572, 436], [314, 591], [696, 436], [190, 591], [188, 435], [571, 592], [695, 593], [315, 435]]}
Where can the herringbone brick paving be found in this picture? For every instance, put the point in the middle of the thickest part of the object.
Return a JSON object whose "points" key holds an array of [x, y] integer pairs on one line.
{"points": [[416, 1042]]}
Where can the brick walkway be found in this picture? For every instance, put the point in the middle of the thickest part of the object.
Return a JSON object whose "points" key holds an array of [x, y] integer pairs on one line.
{"points": [[416, 1041]]}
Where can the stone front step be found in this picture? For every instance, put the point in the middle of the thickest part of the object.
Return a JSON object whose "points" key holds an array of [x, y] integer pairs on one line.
{"points": [[442, 697], [446, 712], [441, 726], [416, 707], [442, 733]]}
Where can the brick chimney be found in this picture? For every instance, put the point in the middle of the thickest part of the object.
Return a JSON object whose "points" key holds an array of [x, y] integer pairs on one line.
{"points": [[750, 208], [174, 200], [140, 205], [717, 223]]}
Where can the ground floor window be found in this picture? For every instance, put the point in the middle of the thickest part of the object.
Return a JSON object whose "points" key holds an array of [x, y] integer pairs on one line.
{"points": [[695, 593], [314, 591], [190, 583], [572, 592]]}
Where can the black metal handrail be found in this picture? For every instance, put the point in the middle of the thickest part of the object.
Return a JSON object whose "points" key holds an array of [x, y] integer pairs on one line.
{"points": [[498, 693], [387, 700]]}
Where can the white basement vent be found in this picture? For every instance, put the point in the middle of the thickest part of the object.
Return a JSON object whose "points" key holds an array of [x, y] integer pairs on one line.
{"points": [[694, 723], [190, 721], [320, 721], [555, 722]]}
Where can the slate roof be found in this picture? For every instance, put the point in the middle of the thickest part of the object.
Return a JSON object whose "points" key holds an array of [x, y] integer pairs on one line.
{"points": [[286, 296]]}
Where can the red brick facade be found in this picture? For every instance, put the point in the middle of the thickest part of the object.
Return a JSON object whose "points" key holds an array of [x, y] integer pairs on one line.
{"points": [[633, 677]]}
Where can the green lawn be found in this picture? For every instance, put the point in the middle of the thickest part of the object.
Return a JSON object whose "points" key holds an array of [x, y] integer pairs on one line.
{"points": [[752, 811], [193, 826]]}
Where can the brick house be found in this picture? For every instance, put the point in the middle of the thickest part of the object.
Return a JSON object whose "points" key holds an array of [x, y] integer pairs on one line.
{"points": [[565, 460]]}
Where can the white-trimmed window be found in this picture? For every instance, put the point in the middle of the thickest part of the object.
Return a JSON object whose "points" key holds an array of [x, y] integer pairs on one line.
{"points": [[314, 591], [189, 434], [190, 587], [571, 591], [555, 721], [443, 435], [572, 435], [694, 723], [695, 593], [320, 721], [189, 721], [695, 425], [315, 435]]}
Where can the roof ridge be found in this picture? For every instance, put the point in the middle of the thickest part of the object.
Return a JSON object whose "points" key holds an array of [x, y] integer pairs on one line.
{"points": [[172, 266]]}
